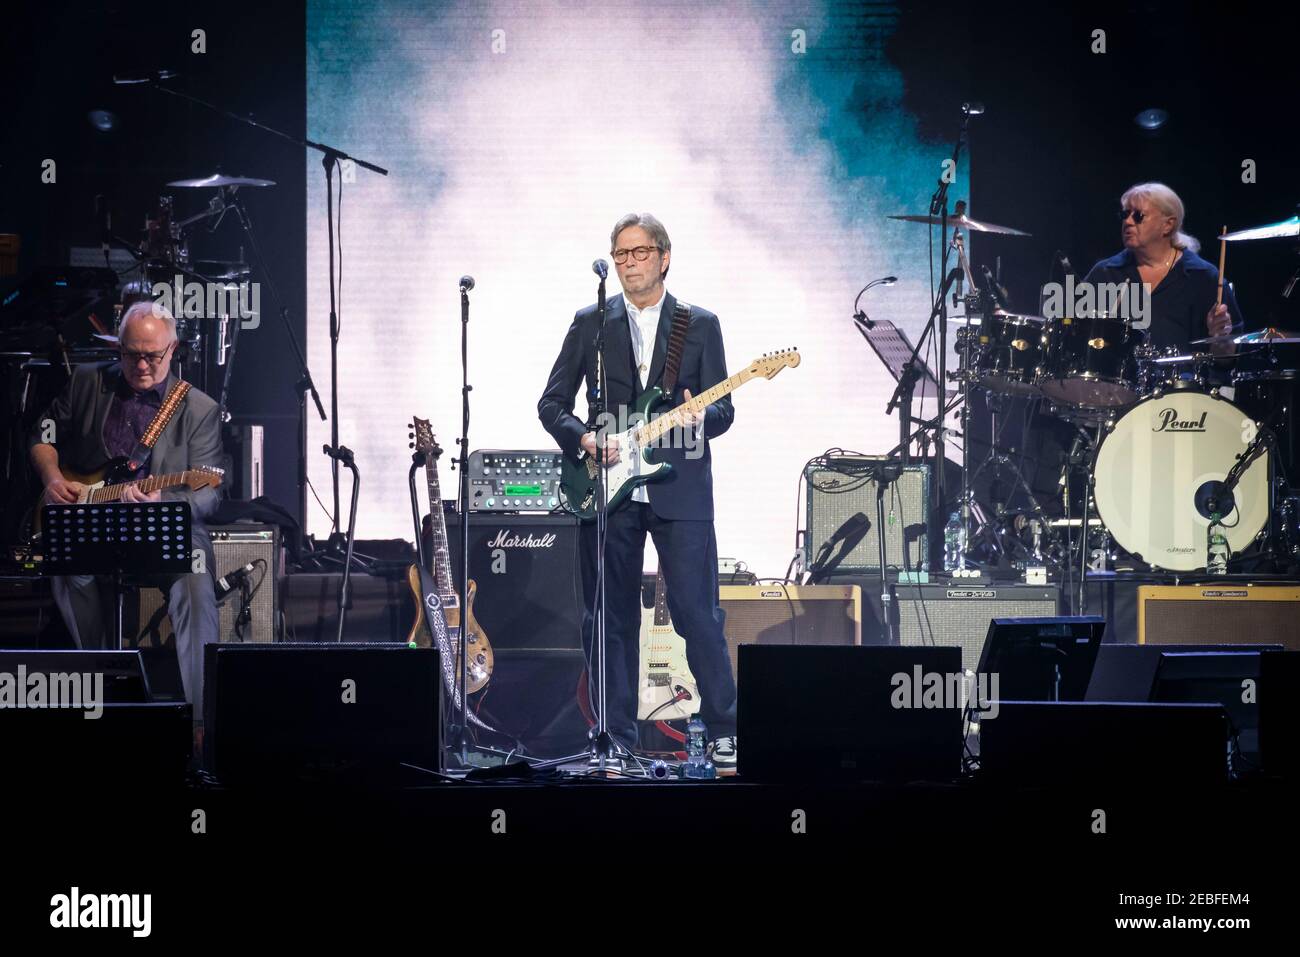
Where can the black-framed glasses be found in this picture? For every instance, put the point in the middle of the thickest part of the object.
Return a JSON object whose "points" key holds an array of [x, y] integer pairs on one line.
{"points": [[639, 253], [153, 358], [1137, 215]]}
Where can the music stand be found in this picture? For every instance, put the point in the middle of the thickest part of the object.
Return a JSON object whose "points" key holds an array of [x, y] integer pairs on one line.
{"points": [[117, 539], [890, 344]]}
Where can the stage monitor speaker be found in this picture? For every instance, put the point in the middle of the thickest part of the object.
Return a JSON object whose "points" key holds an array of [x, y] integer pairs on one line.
{"points": [[335, 711], [790, 615], [838, 490], [529, 580], [233, 546], [125, 679], [959, 615], [833, 713], [1103, 743], [1220, 613]]}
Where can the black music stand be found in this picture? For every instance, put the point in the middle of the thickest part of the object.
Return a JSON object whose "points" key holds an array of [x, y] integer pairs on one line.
{"points": [[117, 540], [909, 371]]}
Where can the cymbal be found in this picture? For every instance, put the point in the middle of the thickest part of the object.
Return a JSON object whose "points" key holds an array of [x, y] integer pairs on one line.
{"points": [[220, 179], [1287, 227], [1270, 336], [964, 222], [1183, 360]]}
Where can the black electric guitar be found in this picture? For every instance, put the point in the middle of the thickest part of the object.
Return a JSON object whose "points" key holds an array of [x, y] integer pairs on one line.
{"points": [[432, 590]]}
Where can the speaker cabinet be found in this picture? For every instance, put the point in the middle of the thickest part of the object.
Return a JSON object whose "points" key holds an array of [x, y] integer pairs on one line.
{"points": [[333, 711], [1221, 614], [960, 614], [233, 546], [838, 490], [791, 615], [528, 577]]}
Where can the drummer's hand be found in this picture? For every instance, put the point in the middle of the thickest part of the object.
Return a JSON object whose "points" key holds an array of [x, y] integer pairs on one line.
{"points": [[1219, 324], [1217, 320]]}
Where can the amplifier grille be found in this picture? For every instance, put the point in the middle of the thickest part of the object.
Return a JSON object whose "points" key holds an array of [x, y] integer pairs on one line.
{"points": [[791, 615], [1219, 614], [960, 614], [836, 494]]}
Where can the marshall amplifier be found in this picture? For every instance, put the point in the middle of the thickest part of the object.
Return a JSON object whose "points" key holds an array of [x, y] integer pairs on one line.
{"points": [[529, 580], [959, 614]]}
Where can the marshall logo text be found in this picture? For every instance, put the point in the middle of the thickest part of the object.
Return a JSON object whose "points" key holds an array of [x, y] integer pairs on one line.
{"points": [[506, 540]]}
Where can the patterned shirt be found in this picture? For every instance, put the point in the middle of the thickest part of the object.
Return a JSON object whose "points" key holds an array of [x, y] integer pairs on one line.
{"points": [[129, 414]]}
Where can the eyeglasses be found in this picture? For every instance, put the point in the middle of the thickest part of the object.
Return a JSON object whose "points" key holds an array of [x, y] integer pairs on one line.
{"points": [[639, 253], [1137, 215], [153, 358]]}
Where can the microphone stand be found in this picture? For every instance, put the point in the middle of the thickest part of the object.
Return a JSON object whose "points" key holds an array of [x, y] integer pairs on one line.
{"points": [[462, 504], [342, 453]]}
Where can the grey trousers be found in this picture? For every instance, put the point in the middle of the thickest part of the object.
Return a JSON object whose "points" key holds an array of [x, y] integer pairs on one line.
{"points": [[85, 602]]}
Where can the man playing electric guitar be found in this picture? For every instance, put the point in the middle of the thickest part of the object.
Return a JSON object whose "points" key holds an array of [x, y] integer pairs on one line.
{"points": [[677, 508], [101, 415]]}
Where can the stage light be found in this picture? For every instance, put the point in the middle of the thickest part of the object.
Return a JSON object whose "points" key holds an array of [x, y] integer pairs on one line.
{"points": [[1152, 119], [102, 120]]}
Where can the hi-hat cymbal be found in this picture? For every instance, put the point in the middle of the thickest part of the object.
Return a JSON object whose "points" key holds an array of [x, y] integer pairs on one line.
{"points": [[1288, 227], [963, 222], [220, 179]]}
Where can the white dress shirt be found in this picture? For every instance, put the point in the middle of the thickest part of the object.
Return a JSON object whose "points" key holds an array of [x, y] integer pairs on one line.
{"points": [[643, 325]]}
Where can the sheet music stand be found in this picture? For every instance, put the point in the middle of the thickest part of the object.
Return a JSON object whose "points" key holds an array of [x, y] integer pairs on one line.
{"points": [[117, 540], [891, 345]]}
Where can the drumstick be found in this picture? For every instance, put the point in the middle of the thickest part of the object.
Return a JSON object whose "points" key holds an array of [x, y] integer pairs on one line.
{"points": [[1223, 249]]}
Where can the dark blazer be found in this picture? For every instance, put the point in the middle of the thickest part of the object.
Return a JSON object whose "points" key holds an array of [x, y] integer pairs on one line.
{"points": [[192, 437], [687, 493]]}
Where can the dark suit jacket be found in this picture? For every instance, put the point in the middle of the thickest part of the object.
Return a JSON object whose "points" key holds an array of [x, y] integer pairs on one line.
{"points": [[687, 493], [192, 437]]}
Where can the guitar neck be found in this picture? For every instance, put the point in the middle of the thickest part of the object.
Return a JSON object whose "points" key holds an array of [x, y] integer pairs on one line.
{"points": [[441, 557], [654, 430], [113, 493]]}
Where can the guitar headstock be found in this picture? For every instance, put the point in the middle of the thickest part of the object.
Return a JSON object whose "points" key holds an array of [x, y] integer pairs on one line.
{"points": [[204, 476], [773, 362], [422, 436]]}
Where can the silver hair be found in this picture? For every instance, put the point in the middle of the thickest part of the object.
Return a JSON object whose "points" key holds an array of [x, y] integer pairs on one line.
{"points": [[647, 222], [1166, 200], [148, 307]]}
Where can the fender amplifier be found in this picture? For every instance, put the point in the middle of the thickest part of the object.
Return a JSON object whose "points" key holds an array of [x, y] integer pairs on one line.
{"points": [[1220, 614], [959, 615], [782, 614], [233, 546], [839, 489]]}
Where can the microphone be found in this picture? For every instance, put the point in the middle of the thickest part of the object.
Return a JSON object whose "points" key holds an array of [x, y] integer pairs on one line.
{"points": [[996, 289], [228, 583], [972, 109], [466, 283], [600, 268], [134, 79]]}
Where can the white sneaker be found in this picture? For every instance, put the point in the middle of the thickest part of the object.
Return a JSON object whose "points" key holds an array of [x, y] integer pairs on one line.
{"points": [[722, 752]]}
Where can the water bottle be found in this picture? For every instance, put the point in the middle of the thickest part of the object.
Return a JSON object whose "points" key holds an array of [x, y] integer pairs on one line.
{"points": [[954, 543], [1218, 551], [697, 765]]}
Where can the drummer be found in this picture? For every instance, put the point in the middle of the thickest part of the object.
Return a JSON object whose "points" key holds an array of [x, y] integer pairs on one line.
{"points": [[1184, 286]]}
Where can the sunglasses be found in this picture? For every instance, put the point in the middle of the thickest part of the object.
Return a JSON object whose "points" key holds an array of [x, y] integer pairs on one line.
{"points": [[1137, 215]]}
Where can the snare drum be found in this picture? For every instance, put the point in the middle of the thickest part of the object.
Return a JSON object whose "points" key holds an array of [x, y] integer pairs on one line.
{"points": [[1090, 362], [1009, 353]]}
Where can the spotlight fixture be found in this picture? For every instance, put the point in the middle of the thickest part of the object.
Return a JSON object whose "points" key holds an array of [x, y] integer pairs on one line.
{"points": [[1152, 119]]}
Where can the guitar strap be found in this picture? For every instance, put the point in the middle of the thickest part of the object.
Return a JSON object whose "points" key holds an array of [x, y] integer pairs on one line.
{"points": [[676, 343], [440, 635], [144, 448]]}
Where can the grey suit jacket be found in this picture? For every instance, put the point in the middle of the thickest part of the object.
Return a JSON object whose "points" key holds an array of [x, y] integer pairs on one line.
{"points": [[192, 437]]}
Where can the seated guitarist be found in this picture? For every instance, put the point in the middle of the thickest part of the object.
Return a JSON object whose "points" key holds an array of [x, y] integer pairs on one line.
{"points": [[101, 415], [677, 510]]}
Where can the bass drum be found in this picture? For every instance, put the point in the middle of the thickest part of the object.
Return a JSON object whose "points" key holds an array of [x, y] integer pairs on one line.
{"points": [[1156, 466]]}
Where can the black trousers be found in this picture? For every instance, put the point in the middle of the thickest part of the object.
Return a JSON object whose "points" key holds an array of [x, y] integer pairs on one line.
{"points": [[688, 557]]}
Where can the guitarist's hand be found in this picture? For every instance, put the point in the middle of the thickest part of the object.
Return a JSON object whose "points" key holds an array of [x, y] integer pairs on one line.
{"points": [[611, 447], [692, 419], [132, 494], [62, 492]]}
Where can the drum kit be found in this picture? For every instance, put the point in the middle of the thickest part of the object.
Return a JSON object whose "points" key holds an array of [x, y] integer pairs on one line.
{"points": [[1158, 432]]}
